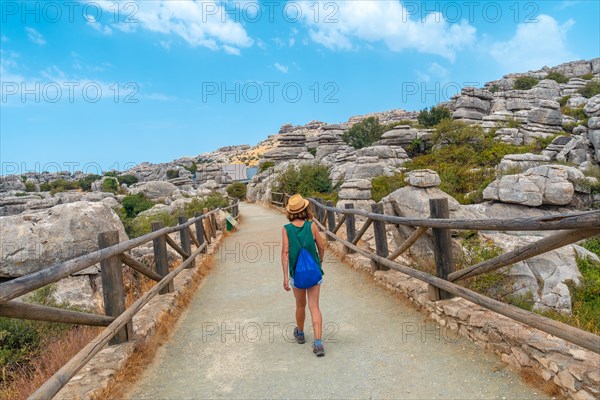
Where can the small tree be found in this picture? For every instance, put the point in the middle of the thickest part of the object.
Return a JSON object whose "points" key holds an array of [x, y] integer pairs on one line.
{"points": [[127, 179], [135, 204], [172, 173], [364, 133], [237, 190], [434, 116], [110, 185], [525, 83]]}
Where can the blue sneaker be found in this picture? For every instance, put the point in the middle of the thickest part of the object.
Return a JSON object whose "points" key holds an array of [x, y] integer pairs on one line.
{"points": [[299, 336], [318, 349]]}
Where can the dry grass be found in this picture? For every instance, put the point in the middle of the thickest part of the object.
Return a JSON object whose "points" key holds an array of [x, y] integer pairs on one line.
{"points": [[145, 351], [56, 353], [550, 388]]}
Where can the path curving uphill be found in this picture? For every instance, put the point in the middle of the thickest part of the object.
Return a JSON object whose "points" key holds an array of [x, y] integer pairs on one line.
{"points": [[235, 339]]}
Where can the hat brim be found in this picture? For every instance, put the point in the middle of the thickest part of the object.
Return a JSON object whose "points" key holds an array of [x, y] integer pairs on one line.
{"points": [[306, 203]]}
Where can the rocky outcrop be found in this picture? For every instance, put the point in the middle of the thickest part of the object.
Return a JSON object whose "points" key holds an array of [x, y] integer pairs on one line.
{"points": [[154, 190], [290, 146], [545, 184], [423, 178], [356, 192], [542, 121], [35, 240], [472, 104]]}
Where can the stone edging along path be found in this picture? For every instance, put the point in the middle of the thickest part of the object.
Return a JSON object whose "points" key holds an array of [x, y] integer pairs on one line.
{"points": [[561, 367], [100, 373]]}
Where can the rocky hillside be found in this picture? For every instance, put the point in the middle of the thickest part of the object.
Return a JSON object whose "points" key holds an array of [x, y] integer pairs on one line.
{"points": [[551, 118]]}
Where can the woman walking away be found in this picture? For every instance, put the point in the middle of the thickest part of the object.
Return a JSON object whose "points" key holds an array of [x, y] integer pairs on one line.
{"points": [[302, 267]]}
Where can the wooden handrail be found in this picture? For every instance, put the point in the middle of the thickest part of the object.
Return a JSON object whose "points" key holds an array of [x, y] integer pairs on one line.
{"points": [[53, 385], [577, 220], [28, 283], [571, 334]]}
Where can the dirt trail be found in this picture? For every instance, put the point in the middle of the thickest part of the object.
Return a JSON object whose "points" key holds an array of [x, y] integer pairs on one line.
{"points": [[234, 341]]}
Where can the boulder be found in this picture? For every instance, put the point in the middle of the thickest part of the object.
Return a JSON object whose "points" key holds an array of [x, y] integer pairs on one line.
{"points": [[555, 182], [423, 178], [592, 107], [154, 190], [515, 189], [359, 189]]}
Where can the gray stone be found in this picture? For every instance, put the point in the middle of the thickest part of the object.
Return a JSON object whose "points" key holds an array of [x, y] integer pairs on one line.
{"points": [[555, 182], [423, 178], [592, 107], [154, 190], [515, 189], [594, 123]]}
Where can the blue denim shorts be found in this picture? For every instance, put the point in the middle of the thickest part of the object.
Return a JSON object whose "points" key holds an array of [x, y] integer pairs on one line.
{"points": [[292, 283]]}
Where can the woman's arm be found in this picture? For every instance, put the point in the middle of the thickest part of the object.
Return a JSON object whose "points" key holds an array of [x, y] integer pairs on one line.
{"points": [[285, 250], [319, 241]]}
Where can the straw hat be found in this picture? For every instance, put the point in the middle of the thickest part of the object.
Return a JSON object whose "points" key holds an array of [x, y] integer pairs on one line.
{"points": [[296, 204]]}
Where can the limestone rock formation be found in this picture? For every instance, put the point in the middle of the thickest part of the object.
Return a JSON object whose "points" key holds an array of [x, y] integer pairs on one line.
{"points": [[423, 178], [35, 240], [154, 190]]}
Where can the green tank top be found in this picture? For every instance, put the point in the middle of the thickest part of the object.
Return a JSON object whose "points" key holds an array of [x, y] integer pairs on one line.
{"points": [[305, 239]]}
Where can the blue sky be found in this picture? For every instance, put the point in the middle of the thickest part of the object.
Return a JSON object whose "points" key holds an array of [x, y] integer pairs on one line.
{"points": [[108, 84]]}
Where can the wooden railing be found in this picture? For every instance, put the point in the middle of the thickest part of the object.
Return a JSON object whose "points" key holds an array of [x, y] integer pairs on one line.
{"points": [[573, 228], [111, 256]]}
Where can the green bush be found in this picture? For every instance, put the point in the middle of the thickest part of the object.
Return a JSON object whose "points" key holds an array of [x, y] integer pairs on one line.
{"points": [[563, 101], [364, 133], [143, 225], [525, 83], [465, 157], [307, 179], [557, 77], [192, 168], [86, 183], [112, 174], [434, 116], [576, 113], [59, 185], [127, 180], [29, 186], [383, 185], [587, 77], [265, 166], [110, 185], [172, 173], [494, 88], [591, 89], [215, 200], [136, 203], [237, 190], [313, 151]]}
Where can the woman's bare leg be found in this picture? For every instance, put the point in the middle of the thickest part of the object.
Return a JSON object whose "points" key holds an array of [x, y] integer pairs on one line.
{"points": [[300, 295], [315, 311]]}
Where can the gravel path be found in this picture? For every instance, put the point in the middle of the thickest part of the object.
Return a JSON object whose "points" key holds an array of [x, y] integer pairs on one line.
{"points": [[234, 340]]}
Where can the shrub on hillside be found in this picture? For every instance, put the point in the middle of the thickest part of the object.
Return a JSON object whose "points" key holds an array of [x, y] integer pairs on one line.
{"points": [[215, 200], [434, 116], [110, 185], [306, 179], [265, 166], [127, 180], [591, 89], [86, 183], [172, 173], [192, 168], [134, 204], [525, 83], [557, 77], [364, 133], [383, 185], [237, 190], [29, 187]]}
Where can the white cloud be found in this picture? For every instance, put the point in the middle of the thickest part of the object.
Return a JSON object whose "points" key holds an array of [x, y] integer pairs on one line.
{"points": [[199, 23], [35, 36], [435, 71], [535, 45], [91, 21], [282, 68], [388, 22], [165, 44]]}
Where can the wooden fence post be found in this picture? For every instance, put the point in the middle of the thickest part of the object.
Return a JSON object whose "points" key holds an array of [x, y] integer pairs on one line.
{"points": [[215, 224], [209, 226], [200, 231], [160, 257], [330, 220], [285, 200], [113, 290], [381, 246], [442, 248], [350, 228], [186, 240], [319, 210]]}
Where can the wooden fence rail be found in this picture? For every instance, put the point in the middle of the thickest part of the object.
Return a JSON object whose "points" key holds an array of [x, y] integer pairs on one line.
{"points": [[574, 227], [111, 256]]}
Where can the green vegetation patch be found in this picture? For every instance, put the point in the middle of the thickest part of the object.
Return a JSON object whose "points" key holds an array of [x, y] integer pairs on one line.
{"points": [[434, 116], [382, 186], [525, 83], [237, 190], [591, 89], [306, 179]]}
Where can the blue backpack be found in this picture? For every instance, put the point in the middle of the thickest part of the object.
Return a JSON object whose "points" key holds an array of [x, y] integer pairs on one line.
{"points": [[307, 272]]}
